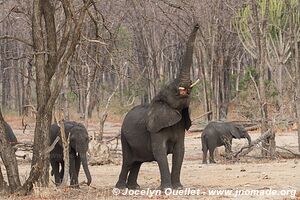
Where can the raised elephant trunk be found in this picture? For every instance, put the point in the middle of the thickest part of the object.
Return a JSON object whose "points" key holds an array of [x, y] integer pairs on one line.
{"points": [[86, 168], [184, 73]]}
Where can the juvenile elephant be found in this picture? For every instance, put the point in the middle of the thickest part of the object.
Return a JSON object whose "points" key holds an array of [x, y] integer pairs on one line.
{"points": [[78, 148], [151, 132], [218, 134]]}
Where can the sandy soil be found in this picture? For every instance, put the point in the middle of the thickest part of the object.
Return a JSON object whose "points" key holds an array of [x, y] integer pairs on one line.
{"points": [[246, 174]]}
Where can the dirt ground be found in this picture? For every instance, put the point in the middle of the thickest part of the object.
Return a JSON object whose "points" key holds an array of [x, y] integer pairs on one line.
{"points": [[239, 176]]}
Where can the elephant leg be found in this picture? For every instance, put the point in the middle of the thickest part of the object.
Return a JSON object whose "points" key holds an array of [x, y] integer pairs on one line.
{"points": [[77, 165], [177, 159], [205, 150], [211, 154], [133, 175], [125, 164], [55, 170], [62, 170], [160, 155], [73, 175], [123, 176]]}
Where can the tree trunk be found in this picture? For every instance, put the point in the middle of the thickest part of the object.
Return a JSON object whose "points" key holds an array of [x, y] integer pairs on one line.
{"points": [[3, 184], [49, 77], [260, 33], [65, 138], [27, 92], [88, 96], [297, 89], [9, 159]]}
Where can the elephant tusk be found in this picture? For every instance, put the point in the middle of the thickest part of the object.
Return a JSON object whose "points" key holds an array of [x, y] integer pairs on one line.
{"points": [[181, 88], [197, 81]]}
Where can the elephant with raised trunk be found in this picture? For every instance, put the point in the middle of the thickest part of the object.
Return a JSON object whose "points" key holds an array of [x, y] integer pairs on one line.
{"points": [[79, 141], [151, 132], [218, 134]]}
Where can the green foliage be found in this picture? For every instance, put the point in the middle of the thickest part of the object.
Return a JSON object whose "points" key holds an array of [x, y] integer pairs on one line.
{"points": [[295, 12], [241, 22], [246, 80], [271, 90], [71, 97], [197, 92], [124, 38], [278, 19], [280, 14], [9, 112]]}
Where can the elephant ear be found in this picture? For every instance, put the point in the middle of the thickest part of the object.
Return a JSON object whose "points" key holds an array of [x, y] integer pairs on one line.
{"points": [[186, 117], [160, 116], [235, 131]]}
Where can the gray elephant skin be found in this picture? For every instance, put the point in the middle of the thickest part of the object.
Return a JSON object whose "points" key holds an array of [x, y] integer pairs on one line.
{"points": [[218, 134], [78, 148], [151, 132]]}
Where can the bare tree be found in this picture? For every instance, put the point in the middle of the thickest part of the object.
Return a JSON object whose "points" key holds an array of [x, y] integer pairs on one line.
{"points": [[9, 159], [50, 60]]}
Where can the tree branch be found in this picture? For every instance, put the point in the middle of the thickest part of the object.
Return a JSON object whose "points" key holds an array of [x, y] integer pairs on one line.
{"points": [[9, 37], [250, 147], [51, 147]]}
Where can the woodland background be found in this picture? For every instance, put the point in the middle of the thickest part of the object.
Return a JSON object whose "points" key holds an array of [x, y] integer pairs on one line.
{"points": [[97, 58]]}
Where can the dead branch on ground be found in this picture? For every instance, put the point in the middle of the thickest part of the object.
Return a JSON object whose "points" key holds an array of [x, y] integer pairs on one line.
{"points": [[289, 151], [105, 151], [253, 144]]}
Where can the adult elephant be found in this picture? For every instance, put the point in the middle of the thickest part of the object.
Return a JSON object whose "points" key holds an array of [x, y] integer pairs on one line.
{"points": [[78, 148], [218, 134], [151, 132]]}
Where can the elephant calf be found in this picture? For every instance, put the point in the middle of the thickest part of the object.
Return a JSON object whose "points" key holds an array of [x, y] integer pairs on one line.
{"points": [[218, 134], [78, 148]]}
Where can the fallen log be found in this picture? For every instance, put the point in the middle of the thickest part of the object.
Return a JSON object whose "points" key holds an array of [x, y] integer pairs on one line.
{"points": [[196, 129], [289, 151], [22, 146], [113, 138], [250, 147], [251, 128]]}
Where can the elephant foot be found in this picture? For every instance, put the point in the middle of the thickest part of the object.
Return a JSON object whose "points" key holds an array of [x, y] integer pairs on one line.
{"points": [[212, 162], [134, 186], [121, 185], [177, 186], [164, 187], [75, 186], [204, 162], [57, 184]]}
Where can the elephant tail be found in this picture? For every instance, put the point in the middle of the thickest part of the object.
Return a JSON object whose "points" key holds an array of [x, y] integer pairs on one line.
{"points": [[124, 143], [204, 142]]}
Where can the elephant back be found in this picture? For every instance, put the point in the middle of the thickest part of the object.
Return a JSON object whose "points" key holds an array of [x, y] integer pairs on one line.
{"points": [[54, 132]]}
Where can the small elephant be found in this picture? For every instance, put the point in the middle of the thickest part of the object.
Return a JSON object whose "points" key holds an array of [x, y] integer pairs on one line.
{"points": [[150, 132], [79, 141], [218, 134]]}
